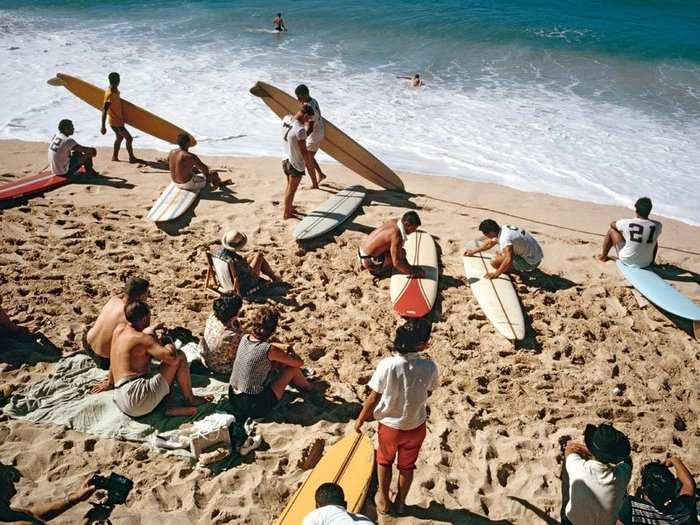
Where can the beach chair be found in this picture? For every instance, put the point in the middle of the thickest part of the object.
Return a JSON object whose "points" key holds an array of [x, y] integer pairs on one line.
{"points": [[221, 274]]}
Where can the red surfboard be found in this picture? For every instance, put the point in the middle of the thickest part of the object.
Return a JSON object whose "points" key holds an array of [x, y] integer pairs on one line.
{"points": [[31, 185], [410, 296]]}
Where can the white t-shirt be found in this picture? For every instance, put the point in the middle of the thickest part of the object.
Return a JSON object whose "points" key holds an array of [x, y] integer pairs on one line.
{"points": [[59, 153], [522, 242], [293, 132], [403, 380], [596, 490], [334, 515], [319, 131], [640, 240]]}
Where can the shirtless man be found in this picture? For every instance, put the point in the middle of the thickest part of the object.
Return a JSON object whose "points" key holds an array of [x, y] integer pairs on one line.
{"points": [[136, 391], [182, 162], [278, 22], [383, 248], [415, 80]]}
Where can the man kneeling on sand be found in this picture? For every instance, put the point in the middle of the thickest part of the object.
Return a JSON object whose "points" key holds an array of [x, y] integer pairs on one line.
{"points": [[182, 164], [136, 391], [383, 248]]}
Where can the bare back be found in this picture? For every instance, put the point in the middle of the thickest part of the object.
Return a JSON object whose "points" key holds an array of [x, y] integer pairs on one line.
{"points": [[130, 355], [100, 335], [381, 239], [181, 163]]}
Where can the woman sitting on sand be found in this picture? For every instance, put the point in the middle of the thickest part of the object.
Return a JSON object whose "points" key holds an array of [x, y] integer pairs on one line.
{"points": [[247, 279], [222, 334]]}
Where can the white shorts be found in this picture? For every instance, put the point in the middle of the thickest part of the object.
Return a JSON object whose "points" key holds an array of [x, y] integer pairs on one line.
{"points": [[196, 183], [313, 143]]}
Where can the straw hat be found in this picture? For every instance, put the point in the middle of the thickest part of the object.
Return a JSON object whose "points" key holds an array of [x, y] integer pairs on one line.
{"points": [[233, 240]]}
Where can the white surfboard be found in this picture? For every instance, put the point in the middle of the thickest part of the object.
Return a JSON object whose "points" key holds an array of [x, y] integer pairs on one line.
{"points": [[330, 214], [410, 296], [497, 297], [172, 203]]}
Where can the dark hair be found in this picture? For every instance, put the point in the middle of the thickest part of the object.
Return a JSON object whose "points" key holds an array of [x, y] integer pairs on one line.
{"points": [[330, 494], [136, 311], [411, 335], [134, 288], [643, 207], [489, 226], [416, 75], [306, 109], [301, 91], [183, 140], [64, 124], [279, 14], [411, 217], [264, 322], [113, 78], [227, 306], [658, 483]]}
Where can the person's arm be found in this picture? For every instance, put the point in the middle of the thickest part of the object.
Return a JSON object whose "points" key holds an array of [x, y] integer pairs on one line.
{"points": [[367, 408], [165, 354], [486, 245], [278, 355], [49, 510], [85, 150], [572, 447], [199, 164], [505, 265], [399, 259], [104, 385], [683, 475], [105, 108], [308, 160]]}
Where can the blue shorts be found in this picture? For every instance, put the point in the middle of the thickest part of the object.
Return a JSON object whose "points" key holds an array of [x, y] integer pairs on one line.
{"points": [[521, 265]]}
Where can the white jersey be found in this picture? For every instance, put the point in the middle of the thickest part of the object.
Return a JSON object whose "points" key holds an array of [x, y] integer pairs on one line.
{"points": [[640, 236], [293, 132], [334, 515], [319, 131], [524, 244], [59, 153]]}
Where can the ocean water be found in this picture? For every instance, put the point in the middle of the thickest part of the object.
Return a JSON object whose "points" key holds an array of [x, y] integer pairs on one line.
{"points": [[596, 100]]}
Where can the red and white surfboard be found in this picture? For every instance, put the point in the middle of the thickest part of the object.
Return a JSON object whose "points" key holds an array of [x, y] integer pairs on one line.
{"points": [[30, 185], [410, 296]]}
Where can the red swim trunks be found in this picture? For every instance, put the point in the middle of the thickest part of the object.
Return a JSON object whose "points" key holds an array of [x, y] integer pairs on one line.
{"points": [[406, 442]]}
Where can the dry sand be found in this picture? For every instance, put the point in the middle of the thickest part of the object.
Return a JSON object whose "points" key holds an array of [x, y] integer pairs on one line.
{"points": [[498, 419]]}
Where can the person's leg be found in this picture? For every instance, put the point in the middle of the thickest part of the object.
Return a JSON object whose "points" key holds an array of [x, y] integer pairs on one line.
{"points": [[612, 238], [289, 374], [179, 371], [405, 480], [117, 144], [292, 185], [321, 175], [129, 145], [214, 180], [409, 444], [386, 452], [260, 265]]}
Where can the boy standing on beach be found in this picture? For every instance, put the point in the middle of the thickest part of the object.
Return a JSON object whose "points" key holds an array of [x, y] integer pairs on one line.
{"points": [[113, 108], [298, 157], [400, 387], [315, 130]]}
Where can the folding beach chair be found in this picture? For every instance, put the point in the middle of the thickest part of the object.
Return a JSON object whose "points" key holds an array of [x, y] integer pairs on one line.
{"points": [[221, 274]]}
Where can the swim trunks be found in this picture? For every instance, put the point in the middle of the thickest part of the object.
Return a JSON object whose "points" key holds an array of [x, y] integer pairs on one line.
{"points": [[101, 362], [404, 443], [290, 170], [521, 265], [196, 183], [373, 263], [140, 395]]}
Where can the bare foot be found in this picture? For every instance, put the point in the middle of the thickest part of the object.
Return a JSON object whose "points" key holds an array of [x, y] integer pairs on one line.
{"points": [[321, 177], [135, 160], [399, 508], [316, 386], [382, 504], [195, 401], [602, 258], [115, 159], [180, 411]]}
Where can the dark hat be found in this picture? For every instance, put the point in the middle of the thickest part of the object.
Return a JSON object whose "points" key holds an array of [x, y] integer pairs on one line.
{"points": [[606, 443]]}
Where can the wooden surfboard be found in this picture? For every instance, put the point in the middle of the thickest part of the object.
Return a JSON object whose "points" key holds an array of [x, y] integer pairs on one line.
{"points": [[172, 203], [330, 214], [349, 463], [410, 296], [31, 185], [336, 143], [133, 115]]}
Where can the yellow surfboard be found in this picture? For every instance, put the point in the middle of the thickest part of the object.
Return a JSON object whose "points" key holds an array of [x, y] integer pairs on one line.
{"points": [[349, 463], [133, 115]]}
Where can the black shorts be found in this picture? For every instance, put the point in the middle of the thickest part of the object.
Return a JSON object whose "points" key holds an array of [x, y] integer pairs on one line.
{"points": [[290, 170], [252, 405], [101, 362], [120, 129], [75, 161]]}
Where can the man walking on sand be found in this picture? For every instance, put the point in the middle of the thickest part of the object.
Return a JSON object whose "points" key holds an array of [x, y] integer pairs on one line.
{"points": [[400, 387], [66, 156], [315, 130], [182, 164], [112, 106], [298, 157], [383, 248]]}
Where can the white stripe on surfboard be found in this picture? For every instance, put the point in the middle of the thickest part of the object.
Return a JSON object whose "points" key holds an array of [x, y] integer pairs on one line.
{"points": [[185, 203], [319, 218], [16, 186], [157, 210]]}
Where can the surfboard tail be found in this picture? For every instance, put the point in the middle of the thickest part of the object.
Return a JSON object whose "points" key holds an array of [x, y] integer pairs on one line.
{"points": [[55, 81]]}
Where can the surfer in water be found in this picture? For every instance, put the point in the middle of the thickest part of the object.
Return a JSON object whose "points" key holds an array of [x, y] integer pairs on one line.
{"points": [[298, 158], [278, 22], [182, 164], [112, 107], [383, 248], [415, 80], [314, 130]]}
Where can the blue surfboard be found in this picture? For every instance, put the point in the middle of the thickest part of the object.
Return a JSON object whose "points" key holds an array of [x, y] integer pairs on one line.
{"points": [[659, 292]]}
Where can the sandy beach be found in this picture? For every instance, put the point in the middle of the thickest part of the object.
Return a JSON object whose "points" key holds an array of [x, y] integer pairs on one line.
{"points": [[593, 352]]}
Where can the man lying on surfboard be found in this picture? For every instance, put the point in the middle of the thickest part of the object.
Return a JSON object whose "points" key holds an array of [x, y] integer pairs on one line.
{"points": [[182, 164], [383, 248], [66, 156]]}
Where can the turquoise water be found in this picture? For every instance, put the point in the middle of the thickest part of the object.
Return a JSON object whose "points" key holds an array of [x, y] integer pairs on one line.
{"points": [[596, 100]]}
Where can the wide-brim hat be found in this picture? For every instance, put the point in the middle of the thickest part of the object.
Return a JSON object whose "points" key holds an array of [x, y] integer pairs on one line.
{"points": [[233, 240], [606, 443]]}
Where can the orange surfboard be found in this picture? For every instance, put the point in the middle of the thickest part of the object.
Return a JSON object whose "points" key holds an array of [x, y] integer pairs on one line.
{"points": [[413, 297]]}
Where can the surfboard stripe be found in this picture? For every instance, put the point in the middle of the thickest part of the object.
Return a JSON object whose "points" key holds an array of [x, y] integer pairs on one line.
{"points": [[320, 217], [172, 203], [156, 211], [32, 184], [500, 303]]}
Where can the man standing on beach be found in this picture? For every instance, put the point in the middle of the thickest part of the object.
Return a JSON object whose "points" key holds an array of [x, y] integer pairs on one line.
{"points": [[315, 129], [182, 164], [400, 387], [298, 157], [383, 248], [66, 156], [113, 107], [636, 240]]}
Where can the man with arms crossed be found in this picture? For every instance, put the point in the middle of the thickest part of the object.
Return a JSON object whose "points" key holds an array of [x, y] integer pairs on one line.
{"points": [[182, 164], [298, 157], [66, 156], [136, 391], [383, 248], [315, 130], [636, 240]]}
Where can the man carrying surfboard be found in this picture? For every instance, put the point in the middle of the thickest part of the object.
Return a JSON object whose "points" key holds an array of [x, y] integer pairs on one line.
{"points": [[518, 250], [182, 164], [66, 156], [298, 157], [383, 248], [113, 108], [636, 240], [314, 129]]}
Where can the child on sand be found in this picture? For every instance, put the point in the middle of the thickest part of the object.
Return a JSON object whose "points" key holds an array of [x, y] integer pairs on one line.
{"points": [[400, 387], [113, 108]]}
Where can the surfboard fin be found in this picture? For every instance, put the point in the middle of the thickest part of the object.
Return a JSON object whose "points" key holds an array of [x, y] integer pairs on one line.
{"points": [[258, 91], [55, 81]]}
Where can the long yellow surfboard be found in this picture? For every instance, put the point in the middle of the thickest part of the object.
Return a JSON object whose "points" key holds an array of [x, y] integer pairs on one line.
{"points": [[133, 115], [349, 463], [336, 143]]}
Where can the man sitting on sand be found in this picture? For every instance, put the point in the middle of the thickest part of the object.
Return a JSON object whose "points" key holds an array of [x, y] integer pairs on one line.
{"points": [[182, 164], [298, 158], [383, 248], [331, 508], [136, 391], [518, 250], [112, 107], [315, 130], [66, 156], [599, 473], [662, 499], [636, 240], [400, 387], [262, 370], [247, 279]]}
